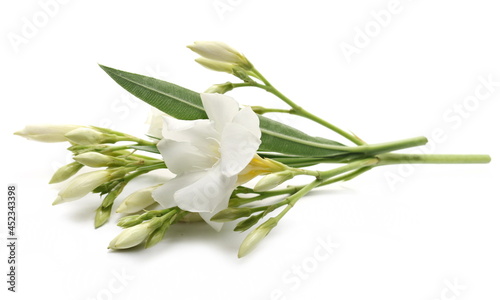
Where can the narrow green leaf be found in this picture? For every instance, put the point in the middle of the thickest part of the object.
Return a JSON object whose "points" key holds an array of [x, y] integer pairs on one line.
{"points": [[185, 104], [151, 149], [177, 101]]}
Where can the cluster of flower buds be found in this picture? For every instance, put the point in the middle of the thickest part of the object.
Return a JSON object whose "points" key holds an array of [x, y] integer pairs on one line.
{"points": [[117, 165]]}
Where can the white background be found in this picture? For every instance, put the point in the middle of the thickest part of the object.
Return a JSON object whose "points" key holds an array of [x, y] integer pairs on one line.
{"points": [[438, 226]]}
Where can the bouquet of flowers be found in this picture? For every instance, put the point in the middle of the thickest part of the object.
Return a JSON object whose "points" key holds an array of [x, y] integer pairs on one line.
{"points": [[214, 147]]}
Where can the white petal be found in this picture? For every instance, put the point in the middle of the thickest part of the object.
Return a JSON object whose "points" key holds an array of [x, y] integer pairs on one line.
{"points": [[238, 147], [165, 193], [220, 108], [248, 119], [155, 121], [199, 133], [207, 193], [183, 157], [208, 215]]}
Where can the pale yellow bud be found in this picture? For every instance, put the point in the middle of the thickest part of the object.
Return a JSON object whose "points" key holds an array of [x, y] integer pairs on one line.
{"points": [[94, 159], [86, 136], [82, 185], [46, 133], [259, 166], [272, 180], [220, 88], [220, 52], [215, 65], [130, 237], [137, 201], [257, 235]]}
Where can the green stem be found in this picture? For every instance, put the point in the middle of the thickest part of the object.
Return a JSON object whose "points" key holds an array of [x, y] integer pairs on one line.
{"points": [[143, 170], [397, 158], [297, 110], [263, 110]]}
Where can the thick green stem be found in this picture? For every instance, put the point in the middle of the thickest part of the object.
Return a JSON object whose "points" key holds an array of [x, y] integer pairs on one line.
{"points": [[397, 158]]}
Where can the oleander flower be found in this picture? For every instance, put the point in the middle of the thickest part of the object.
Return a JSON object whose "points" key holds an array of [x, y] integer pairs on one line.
{"points": [[207, 156]]}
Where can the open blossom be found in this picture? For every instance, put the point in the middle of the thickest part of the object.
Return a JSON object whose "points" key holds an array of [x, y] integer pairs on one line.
{"points": [[207, 156]]}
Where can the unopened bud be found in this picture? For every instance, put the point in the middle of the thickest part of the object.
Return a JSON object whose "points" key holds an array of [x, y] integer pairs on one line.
{"points": [[272, 180], [257, 235], [46, 133], [65, 172], [101, 216], [94, 159], [87, 136], [215, 65], [137, 201], [260, 166], [82, 185], [220, 88], [130, 237], [220, 52], [232, 213]]}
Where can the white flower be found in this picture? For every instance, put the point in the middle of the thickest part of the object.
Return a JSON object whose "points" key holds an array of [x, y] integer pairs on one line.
{"points": [[46, 133], [207, 156], [137, 201], [130, 237], [155, 121], [82, 185]]}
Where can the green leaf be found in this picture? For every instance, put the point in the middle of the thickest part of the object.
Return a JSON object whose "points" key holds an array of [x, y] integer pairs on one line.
{"points": [[185, 104], [281, 138], [151, 149], [172, 99]]}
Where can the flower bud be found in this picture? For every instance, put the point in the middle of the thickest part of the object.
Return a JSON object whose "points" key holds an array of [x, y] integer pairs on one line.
{"points": [[137, 201], [87, 136], [220, 52], [46, 133], [272, 180], [94, 159], [257, 235], [232, 213], [102, 215], [156, 236], [220, 88], [130, 237], [259, 166], [82, 185], [215, 65], [65, 172]]}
